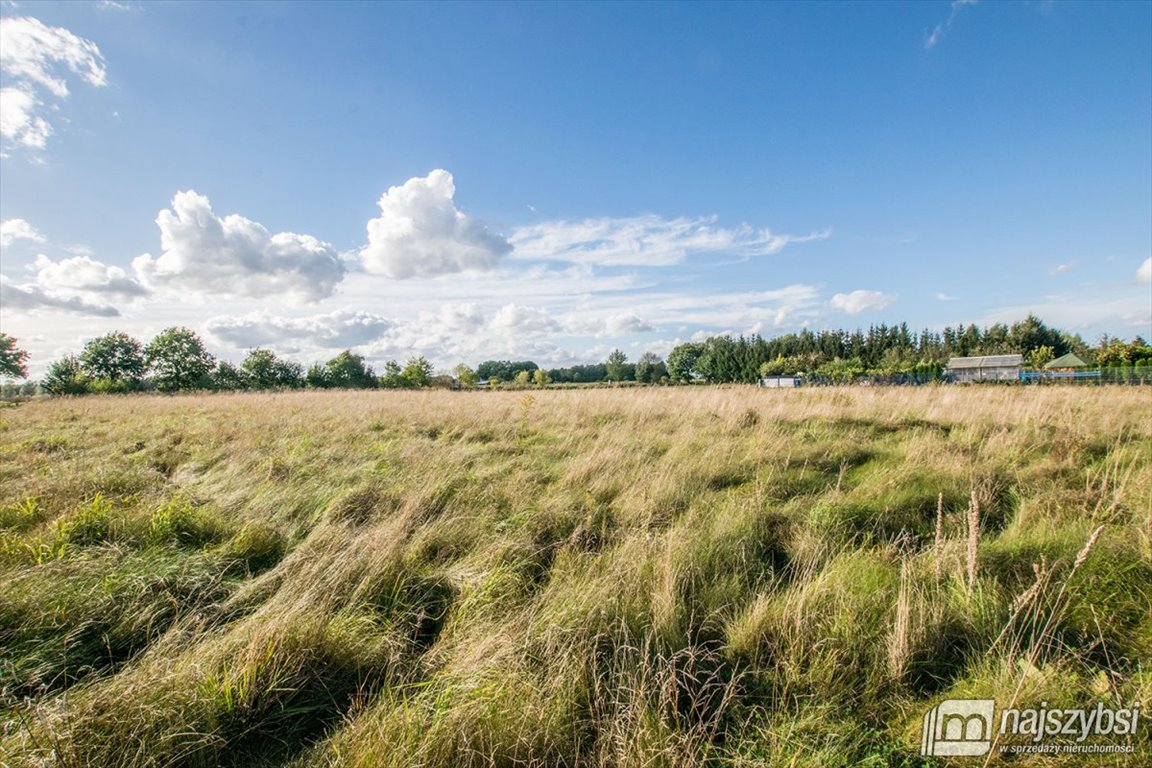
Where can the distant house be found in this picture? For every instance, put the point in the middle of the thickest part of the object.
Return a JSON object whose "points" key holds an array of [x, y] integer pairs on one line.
{"points": [[1066, 363], [780, 382], [985, 368]]}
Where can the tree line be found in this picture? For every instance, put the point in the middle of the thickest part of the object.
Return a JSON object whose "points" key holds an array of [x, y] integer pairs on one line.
{"points": [[178, 360], [888, 350]]}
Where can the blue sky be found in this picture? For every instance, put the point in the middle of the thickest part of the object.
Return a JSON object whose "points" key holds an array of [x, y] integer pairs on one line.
{"points": [[550, 181]]}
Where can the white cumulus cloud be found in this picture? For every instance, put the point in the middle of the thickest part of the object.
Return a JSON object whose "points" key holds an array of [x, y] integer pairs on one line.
{"points": [[204, 253], [83, 274], [421, 233], [647, 240], [32, 299], [19, 123], [614, 325], [446, 334], [1144, 274], [12, 230], [458, 318], [624, 323], [518, 321], [36, 60], [341, 329], [860, 301]]}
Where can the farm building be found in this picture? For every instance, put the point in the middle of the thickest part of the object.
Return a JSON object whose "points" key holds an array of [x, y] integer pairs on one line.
{"points": [[985, 368], [1068, 362], [780, 382]]}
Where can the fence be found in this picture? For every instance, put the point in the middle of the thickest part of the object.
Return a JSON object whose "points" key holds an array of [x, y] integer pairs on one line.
{"points": [[1126, 375], [911, 379], [1133, 375]]}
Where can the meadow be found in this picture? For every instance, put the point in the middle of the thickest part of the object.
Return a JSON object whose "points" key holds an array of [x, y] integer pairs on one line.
{"points": [[681, 576]]}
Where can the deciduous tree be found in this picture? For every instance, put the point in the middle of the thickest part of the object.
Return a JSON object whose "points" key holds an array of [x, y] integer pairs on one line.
{"points": [[682, 361], [392, 378], [349, 371], [1040, 356], [228, 377], [504, 370], [418, 372], [65, 377], [465, 375], [615, 365], [13, 360], [115, 358], [267, 371], [317, 376], [179, 360], [650, 369]]}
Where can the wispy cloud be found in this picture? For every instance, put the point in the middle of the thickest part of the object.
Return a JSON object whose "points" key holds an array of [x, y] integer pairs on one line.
{"points": [[937, 32], [945, 297], [645, 241], [1060, 269], [1144, 273], [745, 311], [36, 61], [1082, 310]]}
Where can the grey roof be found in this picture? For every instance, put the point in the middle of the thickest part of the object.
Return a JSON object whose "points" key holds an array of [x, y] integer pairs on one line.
{"points": [[986, 361]]}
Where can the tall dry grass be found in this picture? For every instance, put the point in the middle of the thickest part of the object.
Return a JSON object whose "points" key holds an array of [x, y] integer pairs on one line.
{"points": [[664, 577]]}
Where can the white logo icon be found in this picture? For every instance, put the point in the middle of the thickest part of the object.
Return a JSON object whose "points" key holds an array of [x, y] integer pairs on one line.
{"points": [[958, 727]]}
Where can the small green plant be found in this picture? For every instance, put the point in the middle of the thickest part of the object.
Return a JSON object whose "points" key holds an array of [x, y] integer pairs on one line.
{"points": [[51, 444], [522, 424], [90, 524], [750, 418], [179, 522], [255, 547], [21, 514]]}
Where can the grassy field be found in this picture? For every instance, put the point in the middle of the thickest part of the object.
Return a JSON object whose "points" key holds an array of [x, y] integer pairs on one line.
{"points": [[641, 577]]}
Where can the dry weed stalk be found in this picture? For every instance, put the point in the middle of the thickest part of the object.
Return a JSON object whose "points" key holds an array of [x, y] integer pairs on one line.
{"points": [[973, 550], [938, 542], [840, 477], [1026, 601], [899, 646], [1054, 615], [1110, 490]]}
